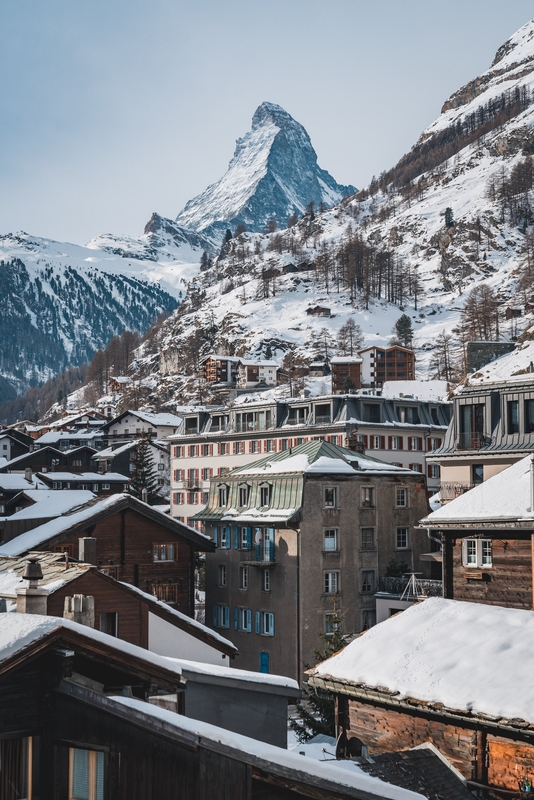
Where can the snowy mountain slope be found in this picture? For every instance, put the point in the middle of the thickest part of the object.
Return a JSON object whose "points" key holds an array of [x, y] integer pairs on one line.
{"points": [[464, 162], [62, 302], [273, 173]]}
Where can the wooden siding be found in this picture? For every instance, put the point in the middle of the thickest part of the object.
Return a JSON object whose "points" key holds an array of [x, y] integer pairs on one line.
{"points": [[133, 613], [508, 582], [126, 540]]}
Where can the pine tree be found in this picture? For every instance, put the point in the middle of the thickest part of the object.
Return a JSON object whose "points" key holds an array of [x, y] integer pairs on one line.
{"points": [[316, 714], [449, 217], [404, 330], [143, 474], [349, 338]]}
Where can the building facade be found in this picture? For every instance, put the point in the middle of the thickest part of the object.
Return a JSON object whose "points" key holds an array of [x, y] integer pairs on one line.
{"points": [[213, 441], [381, 364], [301, 535]]}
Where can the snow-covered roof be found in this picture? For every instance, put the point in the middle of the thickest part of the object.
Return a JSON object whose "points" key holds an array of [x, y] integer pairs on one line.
{"points": [[505, 496], [66, 436], [516, 366], [20, 631], [346, 360], [158, 420], [17, 483], [183, 617], [51, 503], [303, 768], [32, 540], [220, 671], [90, 477], [418, 390], [56, 572], [470, 657], [248, 362]]}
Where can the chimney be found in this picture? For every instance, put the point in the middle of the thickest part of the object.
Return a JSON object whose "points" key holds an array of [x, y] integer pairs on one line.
{"points": [[144, 496], [81, 609], [28, 474], [87, 549], [31, 599]]}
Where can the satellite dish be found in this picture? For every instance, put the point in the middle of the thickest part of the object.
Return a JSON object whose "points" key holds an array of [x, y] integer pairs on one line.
{"points": [[257, 537]]}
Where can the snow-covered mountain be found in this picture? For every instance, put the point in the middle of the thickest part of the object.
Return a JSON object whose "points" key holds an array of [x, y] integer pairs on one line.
{"points": [[456, 212], [273, 174]]}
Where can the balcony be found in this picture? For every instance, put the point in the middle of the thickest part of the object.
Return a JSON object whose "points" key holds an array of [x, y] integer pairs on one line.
{"points": [[262, 555], [424, 587], [191, 483], [472, 441], [323, 419], [451, 490]]}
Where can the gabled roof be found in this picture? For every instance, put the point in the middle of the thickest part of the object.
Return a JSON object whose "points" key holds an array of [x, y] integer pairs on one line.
{"points": [[51, 503], [88, 477], [505, 498], [69, 524], [157, 420], [451, 656], [24, 635], [17, 483], [19, 460]]}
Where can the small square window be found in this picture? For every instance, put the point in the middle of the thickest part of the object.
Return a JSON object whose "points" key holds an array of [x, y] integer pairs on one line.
{"points": [[330, 496], [331, 539], [477, 553]]}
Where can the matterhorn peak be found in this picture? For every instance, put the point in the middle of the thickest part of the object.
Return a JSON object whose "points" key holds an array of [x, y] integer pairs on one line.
{"points": [[273, 174]]}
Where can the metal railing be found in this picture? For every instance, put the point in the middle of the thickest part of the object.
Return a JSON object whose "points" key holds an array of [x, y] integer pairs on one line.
{"points": [[397, 585], [265, 552], [472, 441], [450, 490]]}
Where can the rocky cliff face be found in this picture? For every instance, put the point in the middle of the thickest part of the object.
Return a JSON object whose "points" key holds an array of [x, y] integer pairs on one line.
{"points": [[273, 173]]}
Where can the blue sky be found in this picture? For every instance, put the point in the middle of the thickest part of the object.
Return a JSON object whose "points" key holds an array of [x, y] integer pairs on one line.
{"points": [[112, 110]]}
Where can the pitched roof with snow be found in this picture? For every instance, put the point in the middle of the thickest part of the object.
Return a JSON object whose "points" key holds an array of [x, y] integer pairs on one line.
{"points": [[90, 514], [470, 657], [503, 498], [52, 503]]}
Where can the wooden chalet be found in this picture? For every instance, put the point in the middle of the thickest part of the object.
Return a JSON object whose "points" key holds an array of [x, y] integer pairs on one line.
{"points": [[219, 369], [318, 311], [487, 537], [14, 443], [101, 484], [75, 723], [50, 459], [131, 540], [451, 673], [346, 370]]}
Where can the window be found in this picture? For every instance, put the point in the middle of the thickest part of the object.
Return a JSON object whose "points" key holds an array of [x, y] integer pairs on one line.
{"points": [[368, 496], [243, 577], [395, 443], [266, 580], [265, 623], [529, 416], [402, 540], [477, 474], [376, 442], [243, 495], [512, 414], [477, 553], [205, 498], [164, 552], [225, 536], [243, 620], [253, 446], [105, 487], [265, 495], [222, 574], [331, 582], [245, 540], [86, 774], [322, 414], [205, 449], [109, 623], [221, 616], [283, 444], [223, 448], [415, 442], [16, 768], [434, 444], [95, 487], [178, 451], [223, 496], [205, 473], [368, 580], [239, 448], [368, 618], [433, 471], [193, 451], [371, 412], [330, 496], [368, 538], [331, 539], [416, 467], [166, 592], [330, 627], [401, 497]]}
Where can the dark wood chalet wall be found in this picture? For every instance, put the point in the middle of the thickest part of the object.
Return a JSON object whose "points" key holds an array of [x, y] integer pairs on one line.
{"points": [[478, 753], [132, 613], [507, 583], [125, 541]]}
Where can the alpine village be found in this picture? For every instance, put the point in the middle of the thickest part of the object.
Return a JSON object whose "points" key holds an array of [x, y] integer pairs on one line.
{"points": [[267, 479]]}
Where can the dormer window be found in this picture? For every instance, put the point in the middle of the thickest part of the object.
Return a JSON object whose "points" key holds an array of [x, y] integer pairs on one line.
{"points": [[223, 495], [265, 495], [244, 491]]}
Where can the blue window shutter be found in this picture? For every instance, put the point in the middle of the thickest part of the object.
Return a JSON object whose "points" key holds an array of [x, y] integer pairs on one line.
{"points": [[264, 662], [271, 624], [228, 534], [257, 621], [236, 619], [226, 610], [249, 538], [249, 620], [216, 535], [215, 616], [236, 538]]}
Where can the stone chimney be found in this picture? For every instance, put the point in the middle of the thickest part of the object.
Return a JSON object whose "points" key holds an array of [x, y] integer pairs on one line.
{"points": [[80, 608], [31, 599], [144, 496], [87, 549]]}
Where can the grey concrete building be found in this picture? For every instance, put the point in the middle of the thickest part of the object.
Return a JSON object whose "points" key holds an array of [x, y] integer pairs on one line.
{"points": [[301, 534]]}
